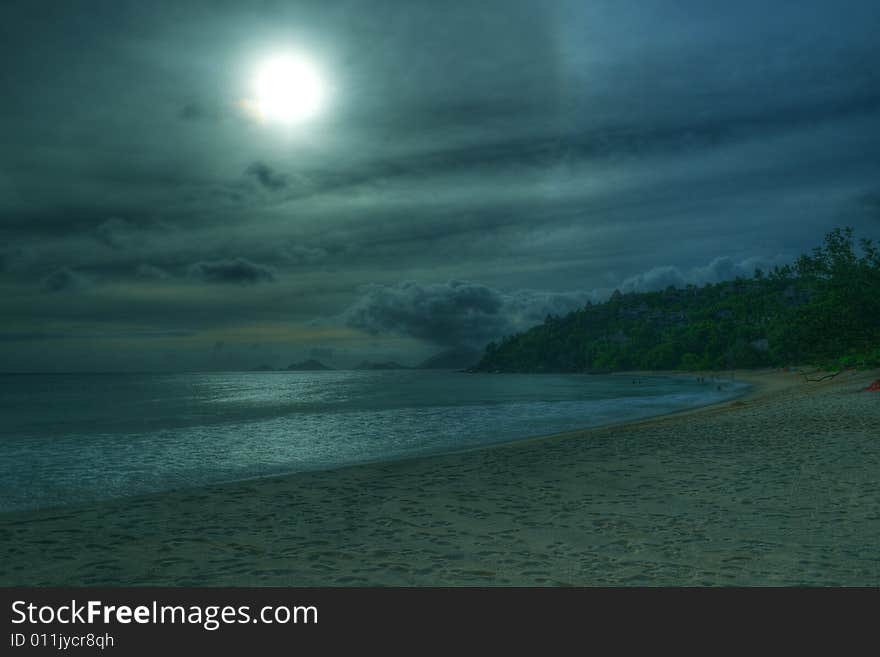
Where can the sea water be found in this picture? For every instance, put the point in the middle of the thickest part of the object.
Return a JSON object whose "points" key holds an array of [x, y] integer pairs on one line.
{"points": [[72, 438]]}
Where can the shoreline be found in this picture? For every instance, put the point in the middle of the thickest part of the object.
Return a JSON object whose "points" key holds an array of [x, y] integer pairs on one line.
{"points": [[582, 507], [754, 384]]}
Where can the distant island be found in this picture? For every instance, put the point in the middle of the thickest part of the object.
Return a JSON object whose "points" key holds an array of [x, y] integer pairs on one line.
{"points": [[452, 359], [446, 360], [388, 365], [310, 365], [823, 310]]}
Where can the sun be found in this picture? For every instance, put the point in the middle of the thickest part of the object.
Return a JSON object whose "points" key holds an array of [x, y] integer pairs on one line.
{"points": [[287, 89]]}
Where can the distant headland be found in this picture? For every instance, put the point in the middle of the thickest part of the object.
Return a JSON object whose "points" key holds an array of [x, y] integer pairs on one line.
{"points": [[823, 310], [310, 365]]}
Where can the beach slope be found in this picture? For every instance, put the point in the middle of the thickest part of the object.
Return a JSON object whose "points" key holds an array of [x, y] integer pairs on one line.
{"points": [[779, 487]]}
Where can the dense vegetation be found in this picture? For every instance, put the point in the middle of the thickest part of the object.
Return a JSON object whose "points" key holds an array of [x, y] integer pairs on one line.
{"points": [[822, 310]]}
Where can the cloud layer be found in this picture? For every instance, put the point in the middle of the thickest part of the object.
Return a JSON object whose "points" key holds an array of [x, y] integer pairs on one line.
{"points": [[238, 271], [457, 313], [468, 314], [66, 280], [720, 269], [623, 148]]}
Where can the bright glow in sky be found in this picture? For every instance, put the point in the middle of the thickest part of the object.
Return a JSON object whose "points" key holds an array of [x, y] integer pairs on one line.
{"points": [[287, 90], [280, 181]]}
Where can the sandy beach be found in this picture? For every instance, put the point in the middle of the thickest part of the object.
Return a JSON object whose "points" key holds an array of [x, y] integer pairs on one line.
{"points": [[780, 487]]}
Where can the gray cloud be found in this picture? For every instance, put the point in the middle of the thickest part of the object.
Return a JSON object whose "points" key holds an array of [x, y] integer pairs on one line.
{"points": [[461, 313], [295, 254], [115, 233], [240, 271], [623, 148], [267, 176], [545, 148], [66, 280], [457, 313], [720, 269], [152, 273]]}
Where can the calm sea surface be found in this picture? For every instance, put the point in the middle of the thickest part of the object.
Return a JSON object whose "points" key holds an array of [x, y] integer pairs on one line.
{"points": [[79, 437]]}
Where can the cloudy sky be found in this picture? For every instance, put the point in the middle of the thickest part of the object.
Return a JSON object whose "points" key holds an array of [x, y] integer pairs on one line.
{"points": [[474, 165]]}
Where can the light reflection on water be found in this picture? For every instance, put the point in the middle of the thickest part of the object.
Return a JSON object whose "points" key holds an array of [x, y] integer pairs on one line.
{"points": [[74, 438]]}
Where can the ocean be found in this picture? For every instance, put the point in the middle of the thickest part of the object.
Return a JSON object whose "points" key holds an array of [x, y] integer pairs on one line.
{"points": [[75, 438]]}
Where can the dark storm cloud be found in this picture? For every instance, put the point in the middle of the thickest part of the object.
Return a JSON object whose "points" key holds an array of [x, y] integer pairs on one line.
{"points": [[526, 146], [66, 280], [266, 176], [457, 313], [238, 271], [461, 313]]}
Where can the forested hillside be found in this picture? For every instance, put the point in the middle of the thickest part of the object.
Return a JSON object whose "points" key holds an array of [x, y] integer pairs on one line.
{"points": [[824, 309]]}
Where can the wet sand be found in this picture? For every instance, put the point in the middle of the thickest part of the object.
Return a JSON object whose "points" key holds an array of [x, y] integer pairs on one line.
{"points": [[779, 487]]}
